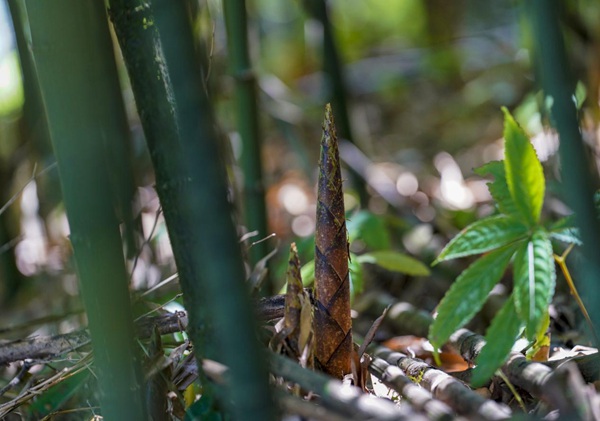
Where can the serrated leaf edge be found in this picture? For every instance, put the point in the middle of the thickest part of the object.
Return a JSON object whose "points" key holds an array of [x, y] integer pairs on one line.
{"points": [[496, 260], [461, 237]]}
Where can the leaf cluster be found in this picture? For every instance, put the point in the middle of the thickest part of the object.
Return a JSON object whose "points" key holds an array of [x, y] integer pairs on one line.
{"points": [[373, 232], [514, 234]]}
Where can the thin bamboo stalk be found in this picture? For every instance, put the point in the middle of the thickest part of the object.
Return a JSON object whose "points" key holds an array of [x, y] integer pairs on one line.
{"points": [[246, 107], [34, 129], [335, 87], [578, 182], [76, 70]]}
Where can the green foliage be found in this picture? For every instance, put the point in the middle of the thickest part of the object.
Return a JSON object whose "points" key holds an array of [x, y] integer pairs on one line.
{"points": [[597, 200], [369, 228], [373, 231], [356, 276], [524, 172], [499, 187], [534, 280], [567, 235], [518, 191], [500, 337], [484, 235], [203, 409], [388, 259], [395, 262], [308, 274], [55, 398], [467, 295], [563, 230]]}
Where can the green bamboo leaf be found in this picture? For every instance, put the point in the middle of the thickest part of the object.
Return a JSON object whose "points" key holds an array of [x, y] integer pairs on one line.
{"points": [[524, 173], [534, 278], [468, 293], [371, 229], [395, 261], [308, 273], [356, 277], [500, 338], [482, 236], [499, 187], [246, 110]]}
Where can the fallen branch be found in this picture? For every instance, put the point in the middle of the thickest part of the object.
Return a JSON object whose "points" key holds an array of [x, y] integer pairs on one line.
{"points": [[41, 387], [404, 318], [543, 382], [394, 378], [588, 365], [536, 378], [347, 400], [340, 402], [294, 405], [41, 347], [44, 347], [445, 388]]}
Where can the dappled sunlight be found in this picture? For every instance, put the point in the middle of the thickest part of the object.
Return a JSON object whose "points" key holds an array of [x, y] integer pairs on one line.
{"points": [[452, 188], [31, 251], [303, 226], [407, 184], [293, 199], [545, 144]]}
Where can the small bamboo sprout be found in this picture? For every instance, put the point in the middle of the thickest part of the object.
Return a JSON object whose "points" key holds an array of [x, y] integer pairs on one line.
{"points": [[332, 322], [295, 329], [293, 303]]}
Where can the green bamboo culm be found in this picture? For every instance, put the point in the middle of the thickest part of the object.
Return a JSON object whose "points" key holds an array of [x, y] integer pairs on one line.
{"points": [[335, 88], [75, 64], [34, 130], [35, 124], [157, 45], [246, 108], [578, 184], [117, 148]]}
